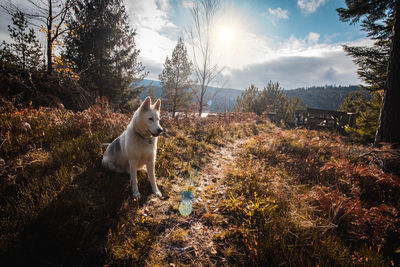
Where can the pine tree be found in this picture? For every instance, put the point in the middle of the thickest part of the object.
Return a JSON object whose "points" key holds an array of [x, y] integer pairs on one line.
{"points": [[25, 49], [378, 18], [273, 99], [292, 105], [270, 99], [246, 102], [366, 105], [378, 23], [175, 79], [102, 47]]}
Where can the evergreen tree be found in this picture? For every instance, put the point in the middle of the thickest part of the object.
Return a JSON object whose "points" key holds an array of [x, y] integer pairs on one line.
{"points": [[246, 102], [378, 18], [102, 47], [175, 79], [273, 99], [25, 49], [377, 21], [6, 57], [366, 105], [270, 99], [372, 69], [292, 105]]}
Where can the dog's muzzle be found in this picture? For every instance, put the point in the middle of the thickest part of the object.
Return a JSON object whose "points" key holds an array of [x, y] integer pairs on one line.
{"points": [[159, 131]]}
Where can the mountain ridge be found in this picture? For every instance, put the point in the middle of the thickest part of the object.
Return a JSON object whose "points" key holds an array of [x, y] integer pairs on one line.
{"points": [[328, 97]]}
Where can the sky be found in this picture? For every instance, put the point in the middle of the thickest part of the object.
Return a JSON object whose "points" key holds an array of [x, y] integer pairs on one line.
{"points": [[295, 42]]}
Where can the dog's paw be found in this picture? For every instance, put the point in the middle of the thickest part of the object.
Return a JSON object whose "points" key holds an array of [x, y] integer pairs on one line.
{"points": [[158, 193], [136, 195]]}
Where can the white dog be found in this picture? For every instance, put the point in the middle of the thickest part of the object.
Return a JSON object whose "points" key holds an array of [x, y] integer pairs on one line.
{"points": [[136, 147]]}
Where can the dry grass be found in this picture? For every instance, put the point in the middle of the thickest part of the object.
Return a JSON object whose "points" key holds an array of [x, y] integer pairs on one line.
{"points": [[301, 197], [59, 206], [263, 195]]}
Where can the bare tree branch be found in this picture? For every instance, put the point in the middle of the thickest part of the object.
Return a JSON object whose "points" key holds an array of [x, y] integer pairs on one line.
{"points": [[203, 14], [48, 14]]}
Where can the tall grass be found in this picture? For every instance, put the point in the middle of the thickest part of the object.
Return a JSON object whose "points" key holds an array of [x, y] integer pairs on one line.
{"points": [[59, 206], [295, 199]]}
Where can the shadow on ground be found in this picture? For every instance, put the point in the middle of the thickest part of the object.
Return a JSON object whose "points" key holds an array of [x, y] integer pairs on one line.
{"points": [[72, 230]]}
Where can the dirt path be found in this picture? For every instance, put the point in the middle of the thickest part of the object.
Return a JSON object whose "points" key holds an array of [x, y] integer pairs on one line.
{"points": [[198, 239]]}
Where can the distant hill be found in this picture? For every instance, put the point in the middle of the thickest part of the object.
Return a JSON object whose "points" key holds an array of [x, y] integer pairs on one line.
{"points": [[324, 97], [224, 99]]}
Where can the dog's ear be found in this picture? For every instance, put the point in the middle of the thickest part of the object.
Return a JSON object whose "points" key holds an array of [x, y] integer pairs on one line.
{"points": [[157, 105], [146, 103]]}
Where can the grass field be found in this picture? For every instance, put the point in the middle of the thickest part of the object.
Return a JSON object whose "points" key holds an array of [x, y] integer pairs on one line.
{"points": [[264, 195]]}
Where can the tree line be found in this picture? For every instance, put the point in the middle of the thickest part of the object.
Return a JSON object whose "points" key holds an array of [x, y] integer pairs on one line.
{"points": [[91, 51], [271, 99], [323, 97]]}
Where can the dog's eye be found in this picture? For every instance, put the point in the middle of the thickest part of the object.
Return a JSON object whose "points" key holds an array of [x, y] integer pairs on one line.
{"points": [[151, 119]]}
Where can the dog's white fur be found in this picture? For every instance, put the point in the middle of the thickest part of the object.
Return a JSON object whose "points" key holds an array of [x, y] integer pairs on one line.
{"points": [[136, 147]]}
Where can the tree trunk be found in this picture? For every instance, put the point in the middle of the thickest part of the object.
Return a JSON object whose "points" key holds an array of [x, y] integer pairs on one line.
{"points": [[174, 108], [49, 39], [49, 54], [201, 102], [203, 81], [175, 97], [389, 119]]}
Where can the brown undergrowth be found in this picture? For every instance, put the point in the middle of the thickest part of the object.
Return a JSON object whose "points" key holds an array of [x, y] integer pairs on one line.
{"points": [[301, 197], [263, 195], [58, 206]]}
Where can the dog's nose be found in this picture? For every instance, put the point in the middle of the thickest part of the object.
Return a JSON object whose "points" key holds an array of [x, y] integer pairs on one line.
{"points": [[159, 130]]}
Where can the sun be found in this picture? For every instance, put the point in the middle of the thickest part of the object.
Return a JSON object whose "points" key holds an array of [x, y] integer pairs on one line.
{"points": [[226, 34]]}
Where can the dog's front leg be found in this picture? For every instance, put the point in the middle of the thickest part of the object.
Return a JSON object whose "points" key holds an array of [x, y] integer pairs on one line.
{"points": [[133, 174], [152, 178]]}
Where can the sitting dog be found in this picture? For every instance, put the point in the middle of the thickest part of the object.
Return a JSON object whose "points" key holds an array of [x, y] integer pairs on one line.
{"points": [[136, 147]]}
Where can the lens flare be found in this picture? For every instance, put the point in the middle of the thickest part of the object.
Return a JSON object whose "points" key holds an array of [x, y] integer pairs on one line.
{"points": [[226, 34]]}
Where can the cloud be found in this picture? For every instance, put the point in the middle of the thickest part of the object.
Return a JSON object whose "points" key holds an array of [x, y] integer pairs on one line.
{"points": [[332, 67], [4, 21], [251, 57], [151, 14], [278, 12], [294, 63], [313, 37], [153, 67], [274, 15], [330, 37], [310, 6], [163, 5], [151, 19], [250, 48], [247, 48], [187, 4]]}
